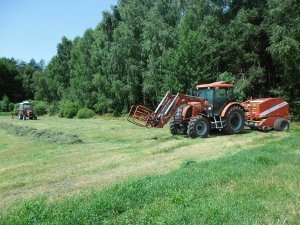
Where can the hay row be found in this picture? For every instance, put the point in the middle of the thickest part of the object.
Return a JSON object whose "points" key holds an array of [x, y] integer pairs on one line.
{"points": [[45, 136]]}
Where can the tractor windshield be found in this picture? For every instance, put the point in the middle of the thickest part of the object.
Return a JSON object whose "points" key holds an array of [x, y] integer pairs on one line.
{"points": [[207, 94], [27, 106]]}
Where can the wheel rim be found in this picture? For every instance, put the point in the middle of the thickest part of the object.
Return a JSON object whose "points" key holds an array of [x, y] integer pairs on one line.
{"points": [[284, 125], [201, 128], [235, 121]]}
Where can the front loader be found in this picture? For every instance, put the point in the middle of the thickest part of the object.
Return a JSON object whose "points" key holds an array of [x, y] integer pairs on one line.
{"points": [[213, 108]]}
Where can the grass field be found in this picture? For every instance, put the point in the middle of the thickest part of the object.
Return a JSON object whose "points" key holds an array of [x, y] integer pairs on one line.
{"points": [[251, 178]]}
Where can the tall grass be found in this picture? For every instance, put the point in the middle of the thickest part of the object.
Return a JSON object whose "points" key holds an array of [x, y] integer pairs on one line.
{"points": [[259, 185]]}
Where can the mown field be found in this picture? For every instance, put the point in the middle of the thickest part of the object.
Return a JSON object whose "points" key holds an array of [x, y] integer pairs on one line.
{"points": [[118, 173]]}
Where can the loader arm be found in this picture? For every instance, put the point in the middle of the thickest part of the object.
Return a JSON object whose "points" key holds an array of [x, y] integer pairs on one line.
{"points": [[144, 117]]}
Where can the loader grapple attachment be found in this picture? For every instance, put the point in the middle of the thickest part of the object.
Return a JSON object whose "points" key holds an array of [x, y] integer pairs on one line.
{"points": [[140, 116], [144, 117]]}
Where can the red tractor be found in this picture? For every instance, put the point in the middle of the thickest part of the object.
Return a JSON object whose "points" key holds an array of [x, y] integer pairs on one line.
{"points": [[214, 107], [26, 110]]}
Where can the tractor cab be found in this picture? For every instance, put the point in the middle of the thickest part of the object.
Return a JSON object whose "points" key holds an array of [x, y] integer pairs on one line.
{"points": [[26, 110], [25, 106], [217, 95]]}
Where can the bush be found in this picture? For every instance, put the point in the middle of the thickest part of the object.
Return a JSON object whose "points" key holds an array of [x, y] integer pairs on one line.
{"points": [[40, 107], [4, 104], [52, 109], [11, 107], [85, 113], [68, 109]]}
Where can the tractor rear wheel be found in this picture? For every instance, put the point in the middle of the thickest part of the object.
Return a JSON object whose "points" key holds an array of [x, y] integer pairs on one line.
{"points": [[234, 120], [281, 124], [176, 129], [199, 126]]}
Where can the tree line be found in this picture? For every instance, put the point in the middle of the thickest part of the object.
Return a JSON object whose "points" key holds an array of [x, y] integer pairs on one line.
{"points": [[143, 48]]}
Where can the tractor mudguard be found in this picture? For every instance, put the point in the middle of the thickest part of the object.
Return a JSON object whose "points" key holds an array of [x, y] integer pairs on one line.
{"points": [[228, 106]]}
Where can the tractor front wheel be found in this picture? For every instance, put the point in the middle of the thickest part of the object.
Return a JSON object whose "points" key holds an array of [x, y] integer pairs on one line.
{"points": [[234, 120], [176, 129], [199, 126]]}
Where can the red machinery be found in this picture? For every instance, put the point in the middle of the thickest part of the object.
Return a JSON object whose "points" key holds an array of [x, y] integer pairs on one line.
{"points": [[214, 107], [267, 113], [144, 117]]}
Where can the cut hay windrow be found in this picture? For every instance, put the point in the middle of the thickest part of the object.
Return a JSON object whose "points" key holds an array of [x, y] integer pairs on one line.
{"points": [[45, 136]]}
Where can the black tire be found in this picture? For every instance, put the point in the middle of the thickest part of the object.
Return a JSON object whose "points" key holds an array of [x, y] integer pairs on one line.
{"points": [[234, 120], [176, 129], [199, 126], [281, 124], [35, 118], [20, 116]]}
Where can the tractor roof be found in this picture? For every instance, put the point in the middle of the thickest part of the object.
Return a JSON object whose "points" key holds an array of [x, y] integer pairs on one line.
{"points": [[215, 84], [25, 102]]}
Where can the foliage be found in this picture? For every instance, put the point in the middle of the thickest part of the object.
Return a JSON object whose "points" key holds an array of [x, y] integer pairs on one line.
{"points": [[4, 104], [68, 109], [52, 109], [11, 107], [141, 49], [85, 113], [40, 107]]}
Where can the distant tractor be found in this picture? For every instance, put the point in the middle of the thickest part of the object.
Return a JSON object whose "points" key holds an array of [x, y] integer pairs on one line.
{"points": [[26, 111], [214, 107]]}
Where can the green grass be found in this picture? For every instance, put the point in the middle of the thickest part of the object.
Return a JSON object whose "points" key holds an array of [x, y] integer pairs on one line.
{"points": [[5, 113], [252, 178]]}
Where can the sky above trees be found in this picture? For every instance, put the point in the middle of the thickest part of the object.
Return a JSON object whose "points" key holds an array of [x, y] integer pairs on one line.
{"points": [[32, 28]]}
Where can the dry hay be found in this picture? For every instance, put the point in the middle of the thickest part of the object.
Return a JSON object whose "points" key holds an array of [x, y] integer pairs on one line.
{"points": [[45, 136]]}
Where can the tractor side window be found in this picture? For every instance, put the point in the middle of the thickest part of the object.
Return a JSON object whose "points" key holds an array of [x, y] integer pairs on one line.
{"points": [[221, 94], [207, 94]]}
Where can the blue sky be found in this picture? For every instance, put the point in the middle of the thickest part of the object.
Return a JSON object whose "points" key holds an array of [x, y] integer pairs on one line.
{"points": [[33, 28]]}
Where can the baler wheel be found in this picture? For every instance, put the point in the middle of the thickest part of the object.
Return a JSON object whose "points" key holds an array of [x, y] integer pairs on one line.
{"points": [[281, 124], [199, 126], [234, 120]]}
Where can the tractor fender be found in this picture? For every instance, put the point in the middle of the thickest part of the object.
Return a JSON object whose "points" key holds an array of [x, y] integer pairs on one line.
{"points": [[228, 106]]}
